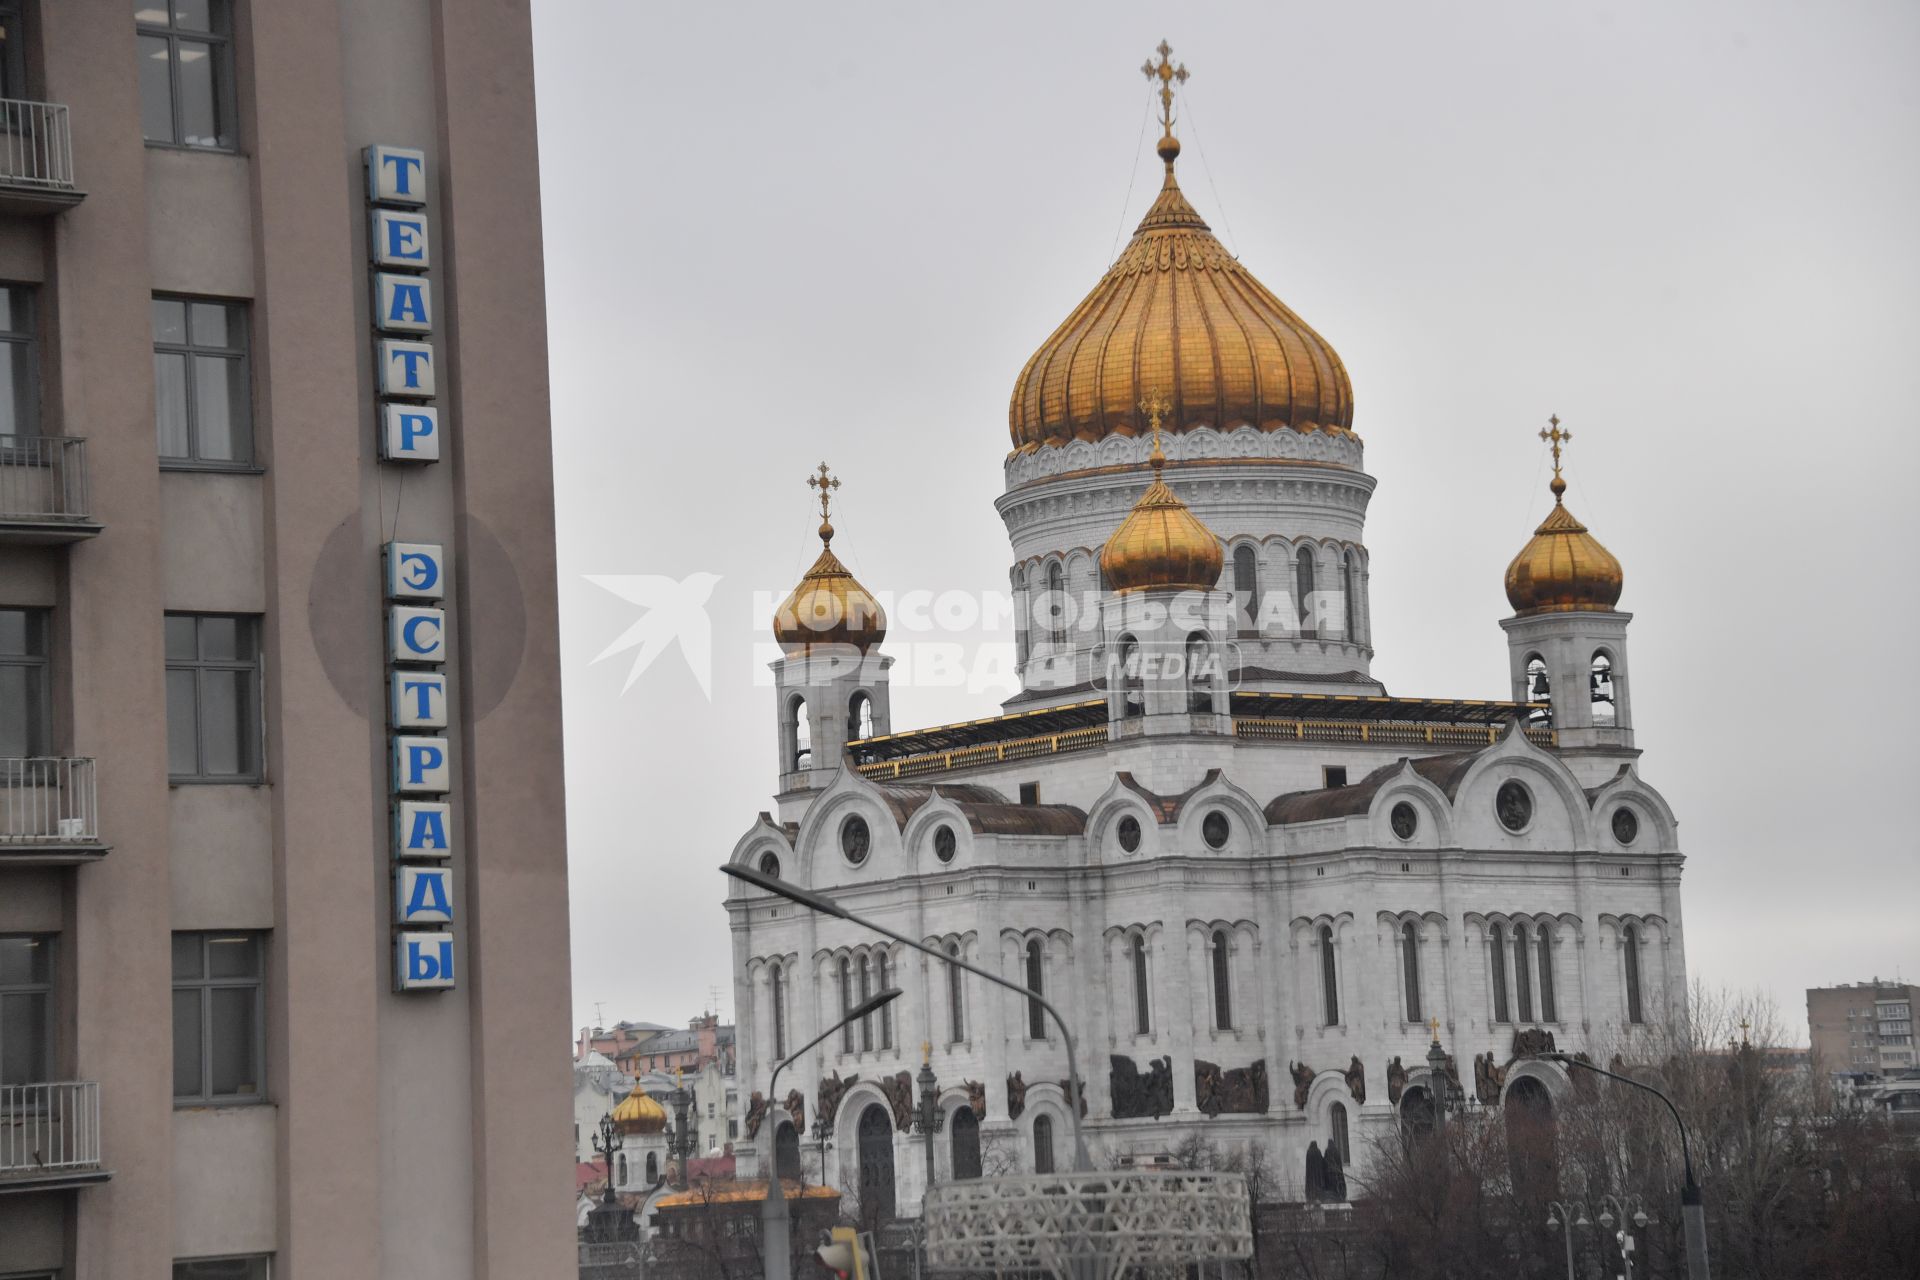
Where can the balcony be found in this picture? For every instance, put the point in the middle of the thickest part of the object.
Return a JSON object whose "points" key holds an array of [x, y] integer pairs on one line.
{"points": [[49, 815], [36, 158], [50, 1136], [43, 490]]}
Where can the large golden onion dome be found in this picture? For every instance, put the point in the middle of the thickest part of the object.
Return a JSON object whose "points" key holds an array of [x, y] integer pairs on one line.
{"points": [[639, 1114], [829, 607], [1178, 312], [1161, 543], [1563, 568]]}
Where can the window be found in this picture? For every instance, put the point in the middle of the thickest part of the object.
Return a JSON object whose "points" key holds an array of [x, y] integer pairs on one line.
{"points": [[1353, 609], [1029, 793], [186, 72], [1303, 588], [1023, 621], [1222, 981], [1339, 1140], [966, 1143], [799, 735], [860, 716], [216, 1017], [1036, 1016], [1246, 585], [1522, 973], [1133, 698], [202, 397], [253, 1268], [1142, 1020], [1499, 952], [1333, 775], [1329, 983], [1548, 1011], [846, 1003], [1043, 1143], [866, 993], [1538, 689], [13, 54], [778, 982], [1199, 687], [885, 982], [25, 684], [1600, 683], [1410, 968], [19, 350], [213, 697], [956, 1007], [1630, 941], [1056, 604], [623, 1172], [26, 1008]]}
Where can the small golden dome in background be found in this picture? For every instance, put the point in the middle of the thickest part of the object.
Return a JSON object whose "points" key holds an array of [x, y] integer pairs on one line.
{"points": [[1563, 568], [1161, 543], [829, 607], [639, 1114]]}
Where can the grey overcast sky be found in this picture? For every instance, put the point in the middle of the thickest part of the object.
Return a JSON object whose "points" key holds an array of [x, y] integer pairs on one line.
{"points": [[779, 233]]}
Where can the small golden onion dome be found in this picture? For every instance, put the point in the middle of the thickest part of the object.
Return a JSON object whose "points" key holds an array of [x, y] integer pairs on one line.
{"points": [[1563, 568], [1177, 311], [1161, 544], [829, 607], [638, 1114]]}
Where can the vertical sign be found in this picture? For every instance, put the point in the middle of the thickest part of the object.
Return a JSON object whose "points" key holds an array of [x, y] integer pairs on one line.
{"points": [[404, 357]]}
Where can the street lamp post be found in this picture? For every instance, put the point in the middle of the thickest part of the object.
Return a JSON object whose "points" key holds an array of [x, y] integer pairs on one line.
{"points": [[1624, 1236], [1561, 1214], [605, 1144], [776, 1226], [1082, 1161], [928, 1122], [679, 1145]]}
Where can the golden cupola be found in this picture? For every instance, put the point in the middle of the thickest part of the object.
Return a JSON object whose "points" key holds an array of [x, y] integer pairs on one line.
{"points": [[829, 607], [1161, 543], [1563, 568], [1177, 311], [639, 1114]]}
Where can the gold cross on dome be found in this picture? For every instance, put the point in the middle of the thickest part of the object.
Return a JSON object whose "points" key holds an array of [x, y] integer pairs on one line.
{"points": [[1558, 438], [1167, 73], [1434, 1025], [1156, 406], [826, 483]]}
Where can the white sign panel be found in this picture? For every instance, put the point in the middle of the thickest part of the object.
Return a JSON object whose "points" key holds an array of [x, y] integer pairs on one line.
{"points": [[422, 895], [422, 961], [399, 239], [402, 304], [396, 175], [421, 829], [417, 634], [415, 571], [420, 766], [409, 433]]}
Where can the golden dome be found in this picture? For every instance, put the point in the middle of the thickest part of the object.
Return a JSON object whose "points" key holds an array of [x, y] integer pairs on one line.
{"points": [[1177, 311], [1563, 568], [637, 1113], [1161, 543], [829, 607]]}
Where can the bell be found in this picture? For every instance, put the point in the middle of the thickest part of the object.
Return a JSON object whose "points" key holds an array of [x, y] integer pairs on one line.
{"points": [[1540, 684]]}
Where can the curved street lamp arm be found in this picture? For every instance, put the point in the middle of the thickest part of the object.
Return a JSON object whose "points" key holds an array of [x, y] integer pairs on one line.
{"points": [[858, 1012], [1692, 1189]]}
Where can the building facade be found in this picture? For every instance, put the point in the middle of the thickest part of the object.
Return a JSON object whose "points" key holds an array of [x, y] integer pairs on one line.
{"points": [[279, 808], [1863, 1027], [1256, 884]]}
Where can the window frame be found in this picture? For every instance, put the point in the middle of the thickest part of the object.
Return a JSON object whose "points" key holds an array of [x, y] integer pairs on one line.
{"points": [[240, 318], [27, 337], [39, 666], [1549, 1005], [1329, 977], [956, 997], [206, 985], [1410, 970], [1221, 946], [1142, 998], [220, 46], [264, 1259], [777, 980], [1498, 956], [1630, 959], [1036, 981], [256, 723], [1522, 973], [1043, 1143], [49, 990]]}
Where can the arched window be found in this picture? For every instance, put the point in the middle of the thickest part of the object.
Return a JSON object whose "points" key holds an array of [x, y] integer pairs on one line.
{"points": [[1142, 1009], [1522, 973], [623, 1173], [956, 1009], [777, 981], [800, 735], [1199, 670], [1353, 611], [1630, 941], [1600, 684], [1549, 1010], [1133, 699], [1043, 1143], [1410, 970], [1036, 1016], [1539, 689], [966, 1143], [860, 716], [786, 1152], [1339, 1141], [653, 1168], [1499, 955], [846, 1003], [1246, 586], [1222, 981], [1023, 615], [884, 982], [1329, 984], [1056, 604], [1303, 588], [866, 993]]}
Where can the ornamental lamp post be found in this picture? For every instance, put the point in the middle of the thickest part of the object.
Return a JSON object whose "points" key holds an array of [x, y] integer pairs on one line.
{"points": [[1561, 1214], [679, 1144], [1442, 1089], [929, 1121], [609, 1222]]}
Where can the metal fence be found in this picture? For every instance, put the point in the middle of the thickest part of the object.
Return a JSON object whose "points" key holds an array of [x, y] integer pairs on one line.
{"points": [[47, 800], [43, 478], [46, 1128], [36, 148]]}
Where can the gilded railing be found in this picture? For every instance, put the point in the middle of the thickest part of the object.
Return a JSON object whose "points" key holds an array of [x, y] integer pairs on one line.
{"points": [[986, 753], [1387, 733]]}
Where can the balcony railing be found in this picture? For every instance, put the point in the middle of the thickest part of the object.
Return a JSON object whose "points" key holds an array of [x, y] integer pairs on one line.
{"points": [[43, 489], [36, 147], [50, 1133], [49, 812], [1382, 732]]}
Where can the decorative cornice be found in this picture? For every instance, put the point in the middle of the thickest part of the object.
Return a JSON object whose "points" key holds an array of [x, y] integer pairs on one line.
{"points": [[1195, 445]]}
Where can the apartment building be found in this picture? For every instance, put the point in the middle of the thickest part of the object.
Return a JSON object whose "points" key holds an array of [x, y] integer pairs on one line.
{"points": [[283, 952], [1863, 1027]]}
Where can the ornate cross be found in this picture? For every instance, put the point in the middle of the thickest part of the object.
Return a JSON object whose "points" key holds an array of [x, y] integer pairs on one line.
{"points": [[826, 483], [1558, 438], [1156, 406], [1433, 1024], [1167, 73]]}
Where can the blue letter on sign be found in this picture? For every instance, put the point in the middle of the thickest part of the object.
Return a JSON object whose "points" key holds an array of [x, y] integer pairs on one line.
{"points": [[399, 239], [420, 829], [396, 175], [406, 368], [402, 304], [423, 961], [420, 766], [422, 895], [409, 433], [413, 571]]}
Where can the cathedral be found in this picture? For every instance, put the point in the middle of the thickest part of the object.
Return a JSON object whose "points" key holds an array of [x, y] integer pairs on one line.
{"points": [[1259, 886]]}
